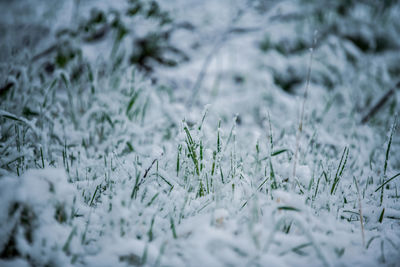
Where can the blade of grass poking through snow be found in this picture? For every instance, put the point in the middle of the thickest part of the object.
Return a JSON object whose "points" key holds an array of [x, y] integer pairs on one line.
{"points": [[387, 158], [382, 257], [136, 186], [150, 232], [289, 208], [94, 195], [360, 211], [258, 188], [215, 152], [204, 117], [389, 144], [339, 170], [277, 152], [165, 180], [300, 128], [144, 109], [10, 116], [178, 159], [192, 150], [222, 174], [201, 155], [13, 117], [53, 83], [271, 140], [132, 102], [387, 181], [372, 239], [218, 137], [316, 188], [272, 175], [173, 227], [146, 172], [66, 247], [297, 249], [271, 168], [213, 164], [41, 156], [231, 133], [152, 200], [144, 256], [381, 216]]}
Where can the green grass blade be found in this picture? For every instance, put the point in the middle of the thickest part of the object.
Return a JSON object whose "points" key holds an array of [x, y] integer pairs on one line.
{"points": [[288, 208], [173, 228], [340, 169], [381, 216], [387, 158], [387, 181], [388, 147], [277, 152]]}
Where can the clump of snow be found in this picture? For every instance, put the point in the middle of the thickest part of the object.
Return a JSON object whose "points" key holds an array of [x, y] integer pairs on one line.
{"points": [[36, 213]]}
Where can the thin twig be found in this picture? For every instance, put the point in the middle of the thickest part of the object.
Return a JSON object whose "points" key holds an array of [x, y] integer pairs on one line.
{"points": [[380, 103], [360, 211], [146, 172], [149, 168], [45, 52], [300, 129]]}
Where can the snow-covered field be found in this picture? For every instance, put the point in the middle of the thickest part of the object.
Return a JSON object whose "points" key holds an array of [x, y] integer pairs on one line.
{"points": [[199, 133]]}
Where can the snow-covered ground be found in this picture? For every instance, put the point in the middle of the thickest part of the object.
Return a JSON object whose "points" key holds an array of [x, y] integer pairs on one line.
{"points": [[237, 140]]}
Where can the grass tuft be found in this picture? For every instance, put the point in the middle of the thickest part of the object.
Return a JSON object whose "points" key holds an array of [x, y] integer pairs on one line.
{"points": [[340, 170]]}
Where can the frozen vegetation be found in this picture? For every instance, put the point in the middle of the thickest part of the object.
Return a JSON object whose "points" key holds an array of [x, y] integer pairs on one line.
{"points": [[199, 133]]}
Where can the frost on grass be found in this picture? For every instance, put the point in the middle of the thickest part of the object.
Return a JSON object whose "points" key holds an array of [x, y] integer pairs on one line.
{"points": [[108, 157]]}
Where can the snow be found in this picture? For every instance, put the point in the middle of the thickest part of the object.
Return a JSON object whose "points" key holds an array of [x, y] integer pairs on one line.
{"points": [[102, 171]]}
